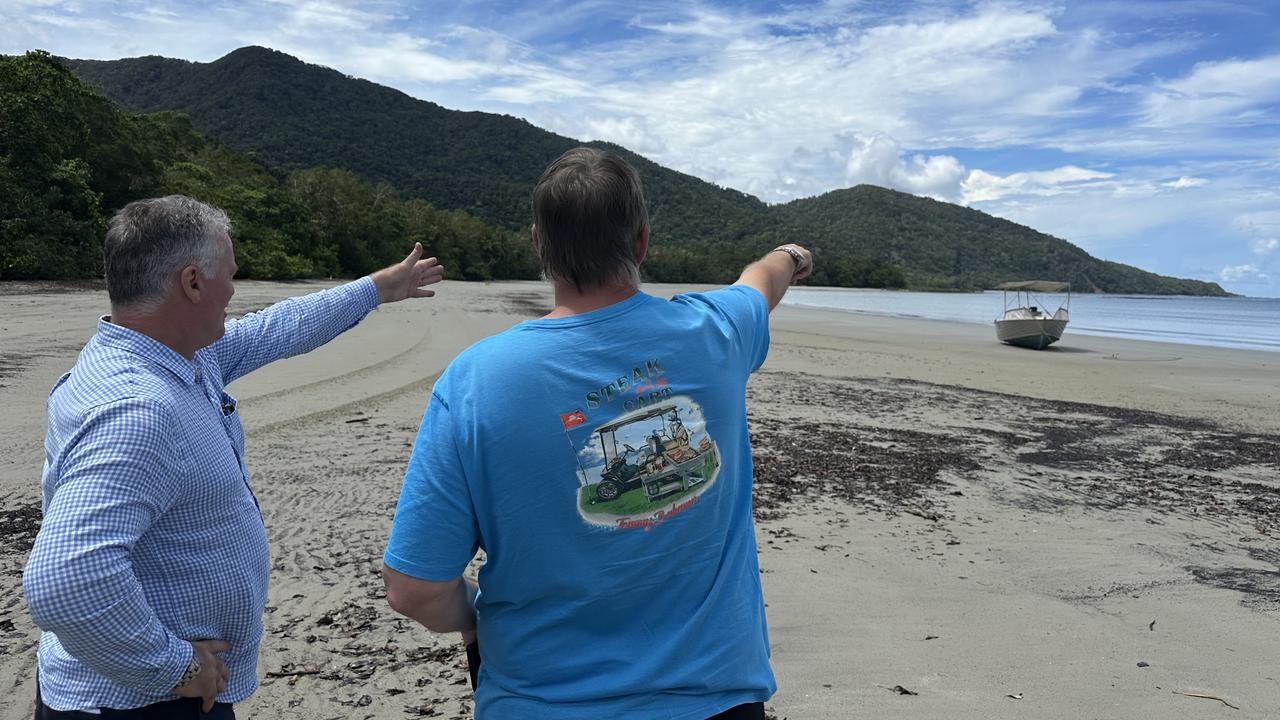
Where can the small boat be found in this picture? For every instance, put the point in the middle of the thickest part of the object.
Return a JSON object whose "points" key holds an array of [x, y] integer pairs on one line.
{"points": [[1026, 323]]}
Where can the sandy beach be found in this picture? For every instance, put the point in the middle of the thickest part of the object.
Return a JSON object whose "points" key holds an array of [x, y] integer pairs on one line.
{"points": [[948, 527]]}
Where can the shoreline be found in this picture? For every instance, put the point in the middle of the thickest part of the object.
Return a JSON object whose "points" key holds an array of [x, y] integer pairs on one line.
{"points": [[935, 510], [1237, 387], [1075, 332], [1236, 323]]}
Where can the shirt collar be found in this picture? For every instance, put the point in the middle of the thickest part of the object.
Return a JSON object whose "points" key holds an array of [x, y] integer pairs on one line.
{"points": [[148, 348]]}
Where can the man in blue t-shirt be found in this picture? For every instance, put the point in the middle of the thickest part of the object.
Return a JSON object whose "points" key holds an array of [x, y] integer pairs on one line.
{"points": [[599, 456]]}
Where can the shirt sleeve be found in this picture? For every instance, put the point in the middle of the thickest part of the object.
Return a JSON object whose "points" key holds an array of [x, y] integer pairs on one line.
{"points": [[743, 313], [292, 327], [114, 480], [435, 533]]}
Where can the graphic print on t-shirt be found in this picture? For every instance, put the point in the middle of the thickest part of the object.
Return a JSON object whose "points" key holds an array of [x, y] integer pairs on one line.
{"points": [[645, 466]]}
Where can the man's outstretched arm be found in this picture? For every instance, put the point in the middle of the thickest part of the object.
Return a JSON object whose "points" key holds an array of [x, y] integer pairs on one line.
{"points": [[302, 324], [772, 274]]}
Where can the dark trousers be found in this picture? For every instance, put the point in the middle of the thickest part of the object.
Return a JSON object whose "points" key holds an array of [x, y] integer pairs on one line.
{"points": [[181, 709], [749, 711]]}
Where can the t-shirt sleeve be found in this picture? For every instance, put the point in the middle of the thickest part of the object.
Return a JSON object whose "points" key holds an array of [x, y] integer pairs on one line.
{"points": [[434, 534], [744, 313]]}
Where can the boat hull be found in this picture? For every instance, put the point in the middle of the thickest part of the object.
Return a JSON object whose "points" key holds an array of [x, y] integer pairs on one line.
{"points": [[1036, 334]]}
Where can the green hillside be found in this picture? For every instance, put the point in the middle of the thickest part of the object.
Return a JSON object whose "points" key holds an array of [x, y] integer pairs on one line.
{"points": [[293, 115], [290, 115], [69, 157], [940, 245]]}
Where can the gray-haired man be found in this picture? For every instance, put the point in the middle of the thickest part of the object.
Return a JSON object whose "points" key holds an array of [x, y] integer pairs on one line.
{"points": [[149, 574]]}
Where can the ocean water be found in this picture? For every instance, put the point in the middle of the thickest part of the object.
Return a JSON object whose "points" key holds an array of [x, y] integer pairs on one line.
{"points": [[1236, 322]]}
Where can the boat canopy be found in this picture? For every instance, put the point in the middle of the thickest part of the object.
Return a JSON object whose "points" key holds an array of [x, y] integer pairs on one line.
{"points": [[636, 417], [1046, 286]]}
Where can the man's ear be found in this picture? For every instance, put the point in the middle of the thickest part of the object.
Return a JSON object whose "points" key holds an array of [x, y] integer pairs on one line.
{"points": [[191, 283], [642, 243]]}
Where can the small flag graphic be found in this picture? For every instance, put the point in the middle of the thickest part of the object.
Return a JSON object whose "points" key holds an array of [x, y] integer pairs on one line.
{"points": [[572, 419]]}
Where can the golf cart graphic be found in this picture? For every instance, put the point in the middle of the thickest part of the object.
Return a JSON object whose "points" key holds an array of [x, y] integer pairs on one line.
{"points": [[651, 461]]}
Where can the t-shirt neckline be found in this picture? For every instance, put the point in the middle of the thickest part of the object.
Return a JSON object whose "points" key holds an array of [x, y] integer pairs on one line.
{"points": [[597, 315]]}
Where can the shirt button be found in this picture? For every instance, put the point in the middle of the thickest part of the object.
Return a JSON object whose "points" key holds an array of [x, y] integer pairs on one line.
{"points": [[198, 374]]}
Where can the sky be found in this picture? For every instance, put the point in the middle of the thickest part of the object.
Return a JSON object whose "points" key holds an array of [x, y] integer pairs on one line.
{"points": [[1144, 131]]}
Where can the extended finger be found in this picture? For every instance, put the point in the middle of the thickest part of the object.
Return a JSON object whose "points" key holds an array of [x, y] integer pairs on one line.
{"points": [[414, 254], [420, 293], [431, 275], [208, 702]]}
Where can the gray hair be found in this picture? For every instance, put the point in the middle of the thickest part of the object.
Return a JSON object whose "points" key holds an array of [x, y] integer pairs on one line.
{"points": [[588, 212], [148, 240]]}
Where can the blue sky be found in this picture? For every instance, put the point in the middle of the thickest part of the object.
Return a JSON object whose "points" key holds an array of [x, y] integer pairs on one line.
{"points": [[1145, 131]]}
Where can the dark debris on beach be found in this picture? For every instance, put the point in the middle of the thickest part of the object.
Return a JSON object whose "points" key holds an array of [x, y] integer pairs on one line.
{"points": [[899, 446], [870, 440], [18, 528], [891, 469], [526, 303]]}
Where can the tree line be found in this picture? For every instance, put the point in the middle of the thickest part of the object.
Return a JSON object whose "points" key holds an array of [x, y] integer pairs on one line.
{"points": [[69, 158]]}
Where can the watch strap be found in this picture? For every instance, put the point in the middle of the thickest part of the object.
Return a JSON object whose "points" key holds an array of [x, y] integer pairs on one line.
{"points": [[193, 669], [796, 257]]}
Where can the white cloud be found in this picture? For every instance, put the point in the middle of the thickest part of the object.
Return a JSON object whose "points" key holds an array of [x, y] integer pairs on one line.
{"points": [[68, 21], [701, 21], [981, 186], [1229, 91], [876, 159], [1186, 182], [323, 15], [1261, 227], [723, 93], [719, 91], [1134, 218], [1264, 246], [534, 85], [154, 15], [631, 132], [405, 57], [1239, 273]]}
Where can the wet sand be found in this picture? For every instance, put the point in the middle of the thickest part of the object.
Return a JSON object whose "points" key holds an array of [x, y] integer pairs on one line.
{"points": [[1000, 532]]}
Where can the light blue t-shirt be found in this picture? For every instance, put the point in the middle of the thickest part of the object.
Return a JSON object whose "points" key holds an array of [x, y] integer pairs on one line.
{"points": [[602, 463]]}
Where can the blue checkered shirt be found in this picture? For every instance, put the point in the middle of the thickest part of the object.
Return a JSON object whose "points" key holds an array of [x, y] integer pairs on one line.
{"points": [[152, 536]]}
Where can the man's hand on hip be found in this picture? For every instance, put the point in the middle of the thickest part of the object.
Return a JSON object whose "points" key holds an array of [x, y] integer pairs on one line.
{"points": [[213, 675], [407, 278]]}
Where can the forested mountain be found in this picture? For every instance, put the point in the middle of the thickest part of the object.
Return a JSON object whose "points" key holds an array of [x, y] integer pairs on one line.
{"points": [[293, 115], [69, 157], [289, 115], [943, 245]]}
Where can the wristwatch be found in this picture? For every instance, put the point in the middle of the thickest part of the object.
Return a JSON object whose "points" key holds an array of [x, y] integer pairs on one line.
{"points": [[191, 672], [794, 253]]}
